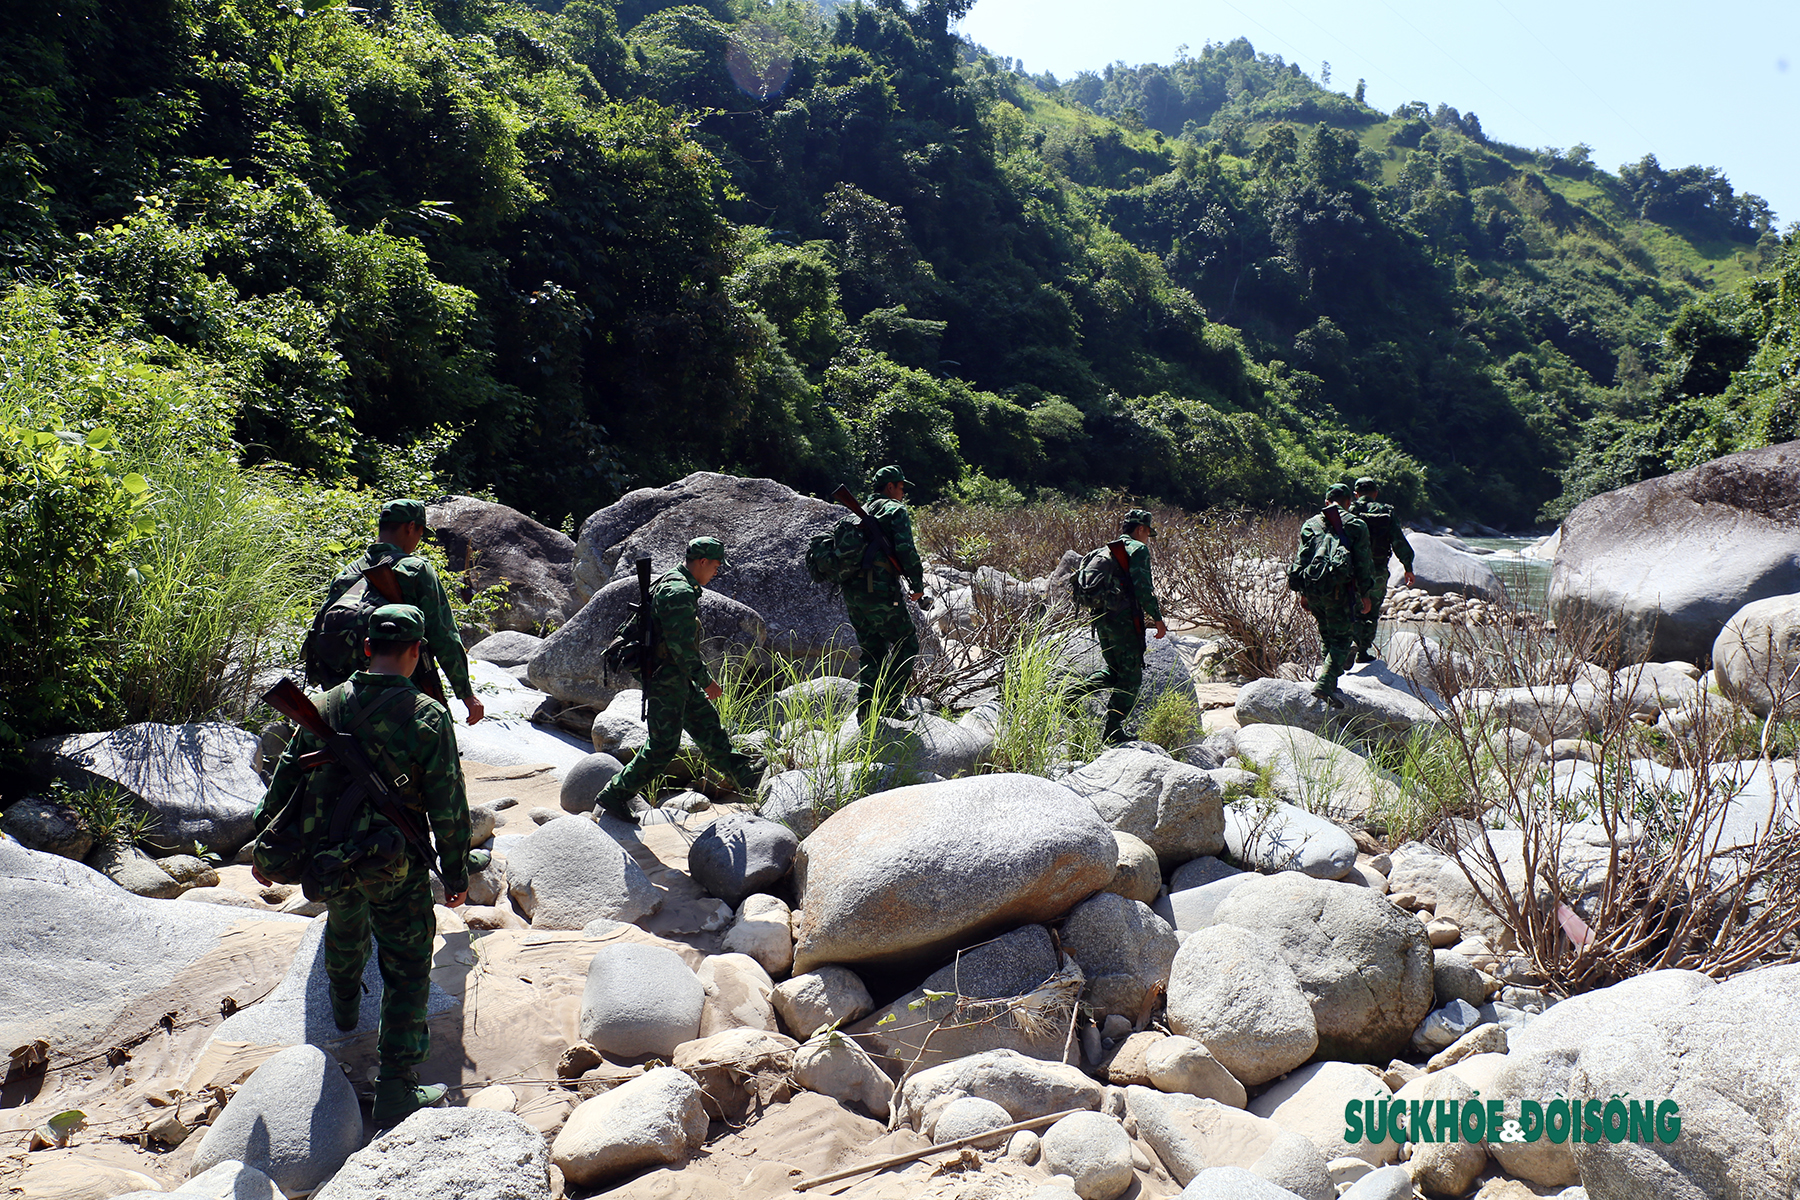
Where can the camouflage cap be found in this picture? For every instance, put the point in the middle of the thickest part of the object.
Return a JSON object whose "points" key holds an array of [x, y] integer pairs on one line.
{"points": [[396, 623], [706, 547], [404, 511], [1368, 483], [889, 474], [1139, 516], [1337, 491]]}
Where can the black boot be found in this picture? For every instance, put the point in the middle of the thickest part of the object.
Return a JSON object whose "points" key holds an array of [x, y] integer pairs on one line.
{"points": [[1331, 697], [398, 1097]]}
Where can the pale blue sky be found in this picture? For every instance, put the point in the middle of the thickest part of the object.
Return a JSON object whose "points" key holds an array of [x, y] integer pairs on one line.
{"points": [[1715, 84]]}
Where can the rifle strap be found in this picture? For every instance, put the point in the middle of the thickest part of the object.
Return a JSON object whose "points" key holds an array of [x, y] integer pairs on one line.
{"points": [[346, 804]]}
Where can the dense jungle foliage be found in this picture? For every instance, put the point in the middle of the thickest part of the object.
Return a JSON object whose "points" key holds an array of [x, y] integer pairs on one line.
{"points": [[564, 249]]}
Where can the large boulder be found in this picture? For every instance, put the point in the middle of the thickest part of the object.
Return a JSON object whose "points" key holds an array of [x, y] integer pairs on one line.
{"points": [[925, 744], [1194, 1136], [198, 782], [497, 544], [1372, 707], [640, 1000], [1025, 1087], [569, 872], [1541, 1056], [739, 854], [48, 826], [79, 953], [1440, 569], [1093, 1150], [1730, 1058], [1231, 990], [569, 665], [1756, 657], [1671, 559], [1165, 669], [765, 527], [1315, 773], [1123, 948], [295, 1119], [1176, 809], [1365, 966], [1283, 837], [1016, 965], [826, 995], [448, 1154], [654, 1120], [907, 874]]}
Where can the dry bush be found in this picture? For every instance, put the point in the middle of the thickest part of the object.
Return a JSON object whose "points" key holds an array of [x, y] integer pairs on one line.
{"points": [[1228, 573]]}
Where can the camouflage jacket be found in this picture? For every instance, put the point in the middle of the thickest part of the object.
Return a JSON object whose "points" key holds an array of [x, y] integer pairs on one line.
{"points": [[419, 586], [410, 739], [1138, 556], [1356, 540], [1386, 537], [896, 522], [675, 607]]}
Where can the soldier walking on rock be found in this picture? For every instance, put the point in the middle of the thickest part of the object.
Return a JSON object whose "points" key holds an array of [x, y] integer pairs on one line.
{"points": [[1386, 539], [1340, 595], [401, 529], [1120, 631], [381, 884], [680, 691], [884, 630]]}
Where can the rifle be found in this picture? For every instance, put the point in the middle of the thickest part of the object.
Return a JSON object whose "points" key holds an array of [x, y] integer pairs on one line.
{"points": [[873, 531], [287, 698], [646, 635], [381, 578], [1122, 561]]}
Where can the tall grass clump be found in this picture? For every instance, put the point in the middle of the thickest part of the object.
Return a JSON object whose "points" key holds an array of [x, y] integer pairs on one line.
{"points": [[1040, 722]]}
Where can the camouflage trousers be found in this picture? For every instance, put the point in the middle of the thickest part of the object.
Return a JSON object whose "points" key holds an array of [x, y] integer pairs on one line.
{"points": [[888, 642], [1337, 636], [1122, 648], [676, 703], [1364, 635], [399, 914]]}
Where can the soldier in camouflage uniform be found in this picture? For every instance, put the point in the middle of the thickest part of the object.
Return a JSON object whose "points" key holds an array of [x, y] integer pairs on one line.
{"points": [[1337, 614], [401, 530], [1121, 641], [1386, 539], [889, 645], [680, 690], [410, 738]]}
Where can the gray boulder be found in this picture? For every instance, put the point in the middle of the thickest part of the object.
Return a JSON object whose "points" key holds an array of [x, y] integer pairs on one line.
{"points": [[508, 648], [1730, 1056], [620, 734], [569, 872], [1671, 559], [1174, 808], [569, 664], [583, 782], [739, 854], [227, 1181], [1439, 569], [1164, 669], [198, 782], [1093, 1150], [906, 874], [969, 1117], [1541, 1056], [503, 545], [657, 1119], [448, 1154], [826, 995], [1372, 707], [1200, 872], [1293, 1162], [1123, 948], [1756, 657], [1231, 990], [295, 1119], [1017, 964], [765, 527], [1280, 837], [1233, 1183], [80, 954], [1315, 773], [919, 745], [133, 870], [835, 1066], [1365, 966], [1025, 1087], [47, 826], [640, 1000], [1193, 908]]}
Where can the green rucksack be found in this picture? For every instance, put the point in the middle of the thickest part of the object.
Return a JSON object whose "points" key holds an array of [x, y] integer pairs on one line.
{"points": [[333, 649], [1323, 570], [1096, 583], [838, 556]]}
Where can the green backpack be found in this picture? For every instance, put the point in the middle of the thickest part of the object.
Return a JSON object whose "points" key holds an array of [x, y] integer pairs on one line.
{"points": [[840, 555], [1096, 584], [1323, 571]]}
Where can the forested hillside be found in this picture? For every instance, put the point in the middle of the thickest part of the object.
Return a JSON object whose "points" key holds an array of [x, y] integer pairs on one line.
{"points": [[552, 252]]}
